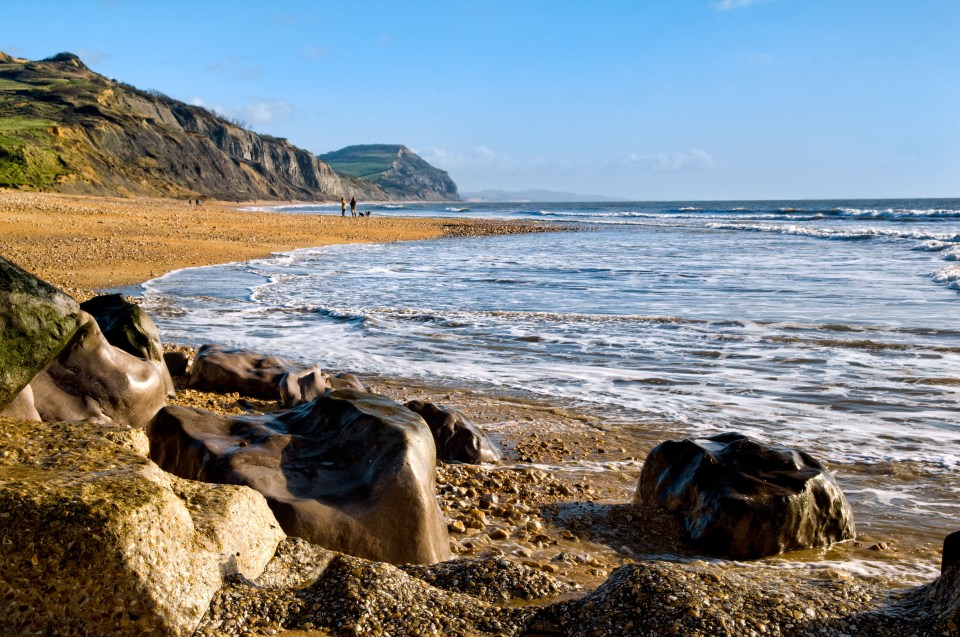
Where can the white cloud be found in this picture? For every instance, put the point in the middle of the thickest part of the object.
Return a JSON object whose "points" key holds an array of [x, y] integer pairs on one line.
{"points": [[483, 167], [265, 111], [727, 5], [92, 57], [693, 159], [256, 111]]}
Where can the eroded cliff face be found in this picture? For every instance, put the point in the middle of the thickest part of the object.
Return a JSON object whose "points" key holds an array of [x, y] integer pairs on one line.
{"points": [[72, 130]]}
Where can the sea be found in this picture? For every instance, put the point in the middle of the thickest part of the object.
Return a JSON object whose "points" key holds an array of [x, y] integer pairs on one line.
{"points": [[829, 326]]}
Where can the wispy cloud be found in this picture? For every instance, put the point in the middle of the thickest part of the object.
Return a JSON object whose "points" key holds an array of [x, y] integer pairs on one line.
{"points": [[256, 111], [693, 159], [260, 111], [483, 164], [728, 5], [93, 56]]}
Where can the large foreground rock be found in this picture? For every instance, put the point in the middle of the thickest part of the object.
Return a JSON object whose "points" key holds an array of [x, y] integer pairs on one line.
{"points": [[127, 326], [741, 498], [220, 369], [457, 438], [351, 471], [93, 380], [36, 322], [95, 539]]}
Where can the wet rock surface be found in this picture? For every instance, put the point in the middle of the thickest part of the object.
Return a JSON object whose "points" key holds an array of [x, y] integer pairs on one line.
{"points": [[456, 437], [745, 499], [350, 471], [299, 387], [91, 379], [128, 327], [220, 369], [36, 322], [96, 539]]}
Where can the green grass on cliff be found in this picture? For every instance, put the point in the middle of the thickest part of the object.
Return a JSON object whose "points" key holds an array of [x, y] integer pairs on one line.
{"points": [[364, 161], [26, 154]]}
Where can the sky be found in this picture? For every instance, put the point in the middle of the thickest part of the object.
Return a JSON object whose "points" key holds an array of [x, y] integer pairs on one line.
{"points": [[632, 99]]}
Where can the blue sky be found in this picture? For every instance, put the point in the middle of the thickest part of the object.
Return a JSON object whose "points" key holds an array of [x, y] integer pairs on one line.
{"points": [[642, 99]]}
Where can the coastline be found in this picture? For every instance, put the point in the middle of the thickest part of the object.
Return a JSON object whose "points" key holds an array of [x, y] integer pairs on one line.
{"points": [[86, 243], [572, 526]]}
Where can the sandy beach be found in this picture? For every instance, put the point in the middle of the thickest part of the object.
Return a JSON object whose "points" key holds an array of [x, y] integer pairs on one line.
{"points": [[576, 526], [81, 244]]}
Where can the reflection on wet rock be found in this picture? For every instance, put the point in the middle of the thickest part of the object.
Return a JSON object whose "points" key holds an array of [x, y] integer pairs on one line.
{"points": [[744, 499], [457, 438], [351, 471]]}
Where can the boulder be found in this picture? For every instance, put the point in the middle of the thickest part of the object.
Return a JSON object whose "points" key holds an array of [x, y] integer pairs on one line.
{"points": [[92, 379], [457, 438], [950, 557], [223, 370], [350, 471], [176, 362], [95, 539], [22, 406], [36, 322], [305, 385], [128, 327], [741, 498]]}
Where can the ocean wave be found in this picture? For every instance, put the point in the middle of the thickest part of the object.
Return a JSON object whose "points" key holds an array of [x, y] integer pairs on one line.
{"points": [[849, 234], [949, 275]]}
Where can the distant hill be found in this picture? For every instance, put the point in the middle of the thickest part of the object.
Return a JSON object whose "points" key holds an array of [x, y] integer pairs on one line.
{"points": [[532, 195], [395, 168], [66, 128]]}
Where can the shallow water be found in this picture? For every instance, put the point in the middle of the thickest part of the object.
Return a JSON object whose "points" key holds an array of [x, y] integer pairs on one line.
{"points": [[830, 326]]}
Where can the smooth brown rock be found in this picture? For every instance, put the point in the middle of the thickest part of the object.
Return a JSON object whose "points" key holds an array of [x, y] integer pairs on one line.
{"points": [[95, 539], [220, 369], [177, 363], [36, 322], [93, 380], [741, 498], [457, 438], [351, 471], [305, 385], [22, 406], [127, 326]]}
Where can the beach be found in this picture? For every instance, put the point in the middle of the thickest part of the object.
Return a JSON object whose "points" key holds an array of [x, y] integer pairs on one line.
{"points": [[564, 490], [82, 243]]}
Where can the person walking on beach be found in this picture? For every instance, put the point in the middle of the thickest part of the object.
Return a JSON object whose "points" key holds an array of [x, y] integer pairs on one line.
{"points": [[353, 206], [343, 206]]}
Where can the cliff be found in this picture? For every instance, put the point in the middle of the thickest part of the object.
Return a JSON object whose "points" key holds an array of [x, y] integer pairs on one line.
{"points": [[400, 172], [66, 128]]}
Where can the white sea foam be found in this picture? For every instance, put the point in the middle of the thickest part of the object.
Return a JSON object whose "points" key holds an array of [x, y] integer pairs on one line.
{"points": [[949, 275], [838, 233]]}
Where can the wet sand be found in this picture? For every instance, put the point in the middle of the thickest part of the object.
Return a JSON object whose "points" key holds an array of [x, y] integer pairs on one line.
{"points": [[81, 243]]}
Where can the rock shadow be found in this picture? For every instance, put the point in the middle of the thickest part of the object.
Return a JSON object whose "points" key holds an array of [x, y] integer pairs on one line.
{"points": [[629, 529]]}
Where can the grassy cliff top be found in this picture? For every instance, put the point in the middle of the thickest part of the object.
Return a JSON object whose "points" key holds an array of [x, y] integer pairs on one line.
{"points": [[365, 160]]}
